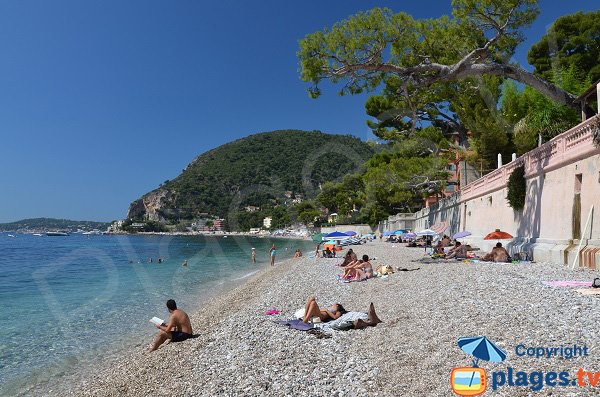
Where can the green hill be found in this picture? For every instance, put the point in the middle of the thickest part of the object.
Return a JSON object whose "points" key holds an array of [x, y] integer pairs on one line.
{"points": [[43, 224], [265, 168]]}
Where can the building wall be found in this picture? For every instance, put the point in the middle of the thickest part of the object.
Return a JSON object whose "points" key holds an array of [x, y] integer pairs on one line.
{"points": [[544, 228]]}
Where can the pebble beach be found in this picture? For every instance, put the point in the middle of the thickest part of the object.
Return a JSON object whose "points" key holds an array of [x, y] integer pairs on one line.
{"points": [[243, 352]]}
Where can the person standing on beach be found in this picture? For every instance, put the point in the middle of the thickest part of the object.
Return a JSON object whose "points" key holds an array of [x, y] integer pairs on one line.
{"points": [[178, 329], [253, 255], [273, 252]]}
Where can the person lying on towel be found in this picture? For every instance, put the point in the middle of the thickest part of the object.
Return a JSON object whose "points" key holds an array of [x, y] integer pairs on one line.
{"points": [[312, 309], [337, 312]]}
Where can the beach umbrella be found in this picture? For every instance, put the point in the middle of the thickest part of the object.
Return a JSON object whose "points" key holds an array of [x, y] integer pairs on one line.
{"points": [[462, 234], [481, 348], [497, 235], [317, 238], [351, 233], [387, 233], [408, 235], [400, 232], [426, 232], [336, 236], [440, 227]]}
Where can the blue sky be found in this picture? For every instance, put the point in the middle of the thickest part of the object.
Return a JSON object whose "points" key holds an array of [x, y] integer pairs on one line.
{"points": [[100, 102]]}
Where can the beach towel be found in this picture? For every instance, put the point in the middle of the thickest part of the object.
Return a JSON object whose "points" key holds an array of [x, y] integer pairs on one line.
{"points": [[272, 312], [567, 283], [344, 322], [588, 291], [296, 324]]}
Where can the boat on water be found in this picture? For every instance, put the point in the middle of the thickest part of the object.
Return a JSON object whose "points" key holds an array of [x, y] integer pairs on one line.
{"points": [[37, 234], [94, 232], [11, 235], [56, 234]]}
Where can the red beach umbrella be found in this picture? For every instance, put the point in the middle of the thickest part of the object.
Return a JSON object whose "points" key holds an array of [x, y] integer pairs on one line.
{"points": [[497, 235]]}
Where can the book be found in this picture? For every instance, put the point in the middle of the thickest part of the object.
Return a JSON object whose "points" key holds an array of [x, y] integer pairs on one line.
{"points": [[156, 321]]}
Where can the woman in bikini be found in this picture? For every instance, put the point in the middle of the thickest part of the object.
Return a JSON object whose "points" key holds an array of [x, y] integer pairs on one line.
{"points": [[311, 310], [360, 270]]}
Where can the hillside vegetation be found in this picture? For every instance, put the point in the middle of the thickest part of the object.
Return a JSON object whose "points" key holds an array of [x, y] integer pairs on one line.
{"points": [[51, 224], [263, 169]]}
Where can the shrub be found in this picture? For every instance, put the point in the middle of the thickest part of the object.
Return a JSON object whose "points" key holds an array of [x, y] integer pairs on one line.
{"points": [[517, 188]]}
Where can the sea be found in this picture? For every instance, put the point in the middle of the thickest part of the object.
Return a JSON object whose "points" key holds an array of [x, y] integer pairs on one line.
{"points": [[70, 300]]}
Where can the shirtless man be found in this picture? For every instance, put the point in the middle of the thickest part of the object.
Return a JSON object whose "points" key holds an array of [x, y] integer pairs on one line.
{"points": [[178, 329], [459, 251], [498, 254]]}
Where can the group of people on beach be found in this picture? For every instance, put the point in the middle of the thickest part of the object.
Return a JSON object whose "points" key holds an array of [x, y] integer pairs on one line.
{"points": [[460, 251]]}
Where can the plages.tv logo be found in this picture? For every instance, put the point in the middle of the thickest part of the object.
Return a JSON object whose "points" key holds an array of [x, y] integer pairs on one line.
{"points": [[472, 381]]}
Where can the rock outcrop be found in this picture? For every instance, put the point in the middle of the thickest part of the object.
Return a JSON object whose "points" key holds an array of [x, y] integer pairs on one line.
{"points": [[149, 206]]}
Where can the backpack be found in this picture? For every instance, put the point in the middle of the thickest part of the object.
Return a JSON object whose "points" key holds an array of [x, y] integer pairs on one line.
{"points": [[596, 283]]}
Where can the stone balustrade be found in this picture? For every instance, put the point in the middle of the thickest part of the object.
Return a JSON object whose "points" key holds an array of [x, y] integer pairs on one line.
{"points": [[568, 147]]}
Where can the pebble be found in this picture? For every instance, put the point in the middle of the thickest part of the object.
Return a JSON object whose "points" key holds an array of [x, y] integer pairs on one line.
{"points": [[243, 352]]}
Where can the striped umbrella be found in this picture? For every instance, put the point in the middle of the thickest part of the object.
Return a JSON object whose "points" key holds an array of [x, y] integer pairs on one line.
{"points": [[482, 348], [440, 227]]}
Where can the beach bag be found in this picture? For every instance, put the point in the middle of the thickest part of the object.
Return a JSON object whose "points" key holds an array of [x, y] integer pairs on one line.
{"points": [[596, 283]]}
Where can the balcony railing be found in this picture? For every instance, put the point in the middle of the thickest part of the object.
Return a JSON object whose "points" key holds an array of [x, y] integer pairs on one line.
{"points": [[570, 146]]}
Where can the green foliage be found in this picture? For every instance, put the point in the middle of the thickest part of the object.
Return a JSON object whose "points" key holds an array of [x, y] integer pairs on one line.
{"points": [[361, 48], [530, 113], [51, 223], [307, 212], [258, 170], [517, 188], [343, 197], [572, 41], [148, 226]]}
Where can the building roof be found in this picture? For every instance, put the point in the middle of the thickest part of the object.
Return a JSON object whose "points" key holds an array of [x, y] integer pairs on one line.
{"points": [[589, 93]]}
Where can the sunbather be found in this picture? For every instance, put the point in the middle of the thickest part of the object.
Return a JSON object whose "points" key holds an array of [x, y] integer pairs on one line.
{"points": [[349, 258], [372, 319], [336, 311], [498, 254], [312, 310], [359, 270], [459, 251], [444, 242]]}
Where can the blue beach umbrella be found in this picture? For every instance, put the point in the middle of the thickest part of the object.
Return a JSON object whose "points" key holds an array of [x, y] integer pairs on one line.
{"points": [[351, 233], [481, 348], [387, 233], [336, 235], [400, 232], [408, 235]]}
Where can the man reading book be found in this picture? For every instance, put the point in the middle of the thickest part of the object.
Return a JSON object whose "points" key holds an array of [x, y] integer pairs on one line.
{"points": [[177, 329]]}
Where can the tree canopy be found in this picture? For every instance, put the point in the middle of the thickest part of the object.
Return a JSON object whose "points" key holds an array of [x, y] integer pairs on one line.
{"points": [[572, 41], [370, 47]]}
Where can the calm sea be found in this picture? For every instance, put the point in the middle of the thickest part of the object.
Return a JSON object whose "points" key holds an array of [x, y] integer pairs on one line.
{"points": [[66, 299]]}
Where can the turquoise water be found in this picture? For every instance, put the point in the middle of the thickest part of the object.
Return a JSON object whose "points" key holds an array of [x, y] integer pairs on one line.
{"points": [[65, 299]]}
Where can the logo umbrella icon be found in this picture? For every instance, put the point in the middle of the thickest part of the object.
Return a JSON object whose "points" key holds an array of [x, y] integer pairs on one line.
{"points": [[463, 380], [481, 348]]}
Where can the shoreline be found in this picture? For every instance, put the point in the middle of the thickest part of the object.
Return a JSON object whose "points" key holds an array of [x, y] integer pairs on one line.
{"points": [[221, 294], [240, 351]]}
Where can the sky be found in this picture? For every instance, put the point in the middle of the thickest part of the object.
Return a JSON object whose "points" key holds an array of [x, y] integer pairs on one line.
{"points": [[100, 102]]}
